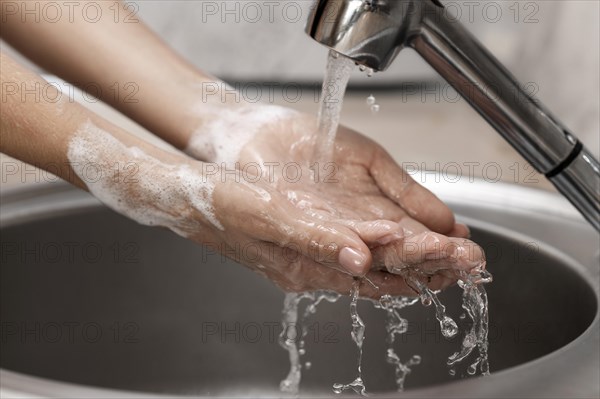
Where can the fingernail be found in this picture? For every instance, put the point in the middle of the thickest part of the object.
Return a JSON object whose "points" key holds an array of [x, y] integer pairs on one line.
{"points": [[468, 231], [353, 260]]}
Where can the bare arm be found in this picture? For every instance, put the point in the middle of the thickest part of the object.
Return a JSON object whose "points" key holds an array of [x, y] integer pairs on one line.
{"points": [[177, 192], [34, 128], [117, 58]]}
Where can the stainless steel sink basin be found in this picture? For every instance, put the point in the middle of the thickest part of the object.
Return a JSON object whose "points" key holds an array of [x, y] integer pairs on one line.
{"points": [[94, 305]]}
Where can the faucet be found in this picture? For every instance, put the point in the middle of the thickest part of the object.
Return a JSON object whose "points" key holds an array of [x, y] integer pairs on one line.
{"points": [[372, 33]]}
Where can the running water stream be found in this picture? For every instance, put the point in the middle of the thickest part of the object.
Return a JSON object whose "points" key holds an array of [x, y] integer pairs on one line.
{"points": [[335, 82], [358, 336], [289, 339], [474, 296], [397, 325], [476, 305]]}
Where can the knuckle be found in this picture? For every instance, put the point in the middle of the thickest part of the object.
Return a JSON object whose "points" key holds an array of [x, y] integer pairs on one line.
{"points": [[322, 248]]}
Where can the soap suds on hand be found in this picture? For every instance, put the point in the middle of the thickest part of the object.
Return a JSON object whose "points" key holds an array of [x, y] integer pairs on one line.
{"points": [[152, 193], [227, 130]]}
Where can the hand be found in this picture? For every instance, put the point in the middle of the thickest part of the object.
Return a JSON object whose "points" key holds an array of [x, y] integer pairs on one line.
{"points": [[370, 217], [315, 226]]}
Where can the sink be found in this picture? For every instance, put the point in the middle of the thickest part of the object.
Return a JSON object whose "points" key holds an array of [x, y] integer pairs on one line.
{"points": [[95, 305]]}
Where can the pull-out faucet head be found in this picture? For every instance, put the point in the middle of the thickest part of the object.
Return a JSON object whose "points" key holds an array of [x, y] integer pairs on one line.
{"points": [[370, 32]]}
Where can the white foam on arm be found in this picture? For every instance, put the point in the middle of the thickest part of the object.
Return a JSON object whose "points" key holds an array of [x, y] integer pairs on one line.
{"points": [[154, 193]]}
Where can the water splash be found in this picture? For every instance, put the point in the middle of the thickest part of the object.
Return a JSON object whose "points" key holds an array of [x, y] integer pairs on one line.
{"points": [[396, 325], [448, 326], [475, 304], [358, 336], [402, 369], [294, 344], [317, 297], [290, 319], [364, 68]]}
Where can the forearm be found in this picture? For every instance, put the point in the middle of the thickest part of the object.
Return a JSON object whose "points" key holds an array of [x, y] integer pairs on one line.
{"points": [[119, 59], [38, 124]]}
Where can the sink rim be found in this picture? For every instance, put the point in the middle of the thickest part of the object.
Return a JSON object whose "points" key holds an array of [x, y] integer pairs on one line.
{"points": [[509, 382]]}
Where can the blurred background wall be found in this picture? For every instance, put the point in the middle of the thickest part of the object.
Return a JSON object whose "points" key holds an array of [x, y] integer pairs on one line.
{"points": [[552, 44]]}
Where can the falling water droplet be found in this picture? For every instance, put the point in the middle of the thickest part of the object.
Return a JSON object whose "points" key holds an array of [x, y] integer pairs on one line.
{"points": [[425, 300], [415, 360], [301, 351], [290, 318], [375, 108], [358, 336], [370, 72], [307, 365], [362, 68], [337, 388], [452, 372], [484, 277], [473, 368], [449, 327], [371, 100], [385, 301]]}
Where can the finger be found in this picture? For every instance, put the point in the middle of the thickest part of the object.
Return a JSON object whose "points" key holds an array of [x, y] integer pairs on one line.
{"points": [[306, 275], [271, 217], [376, 232], [379, 283], [420, 203], [384, 283], [326, 242], [460, 230], [303, 274], [429, 253], [433, 251], [330, 244], [374, 285]]}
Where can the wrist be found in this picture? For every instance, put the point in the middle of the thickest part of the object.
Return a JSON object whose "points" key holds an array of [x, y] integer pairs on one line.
{"points": [[147, 184]]}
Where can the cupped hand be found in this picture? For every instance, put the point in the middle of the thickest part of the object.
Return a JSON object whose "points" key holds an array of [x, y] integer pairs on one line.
{"points": [[315, 225]]}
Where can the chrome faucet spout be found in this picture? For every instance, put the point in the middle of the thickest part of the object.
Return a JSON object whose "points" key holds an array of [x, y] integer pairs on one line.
{"points": [[372, 33]]}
